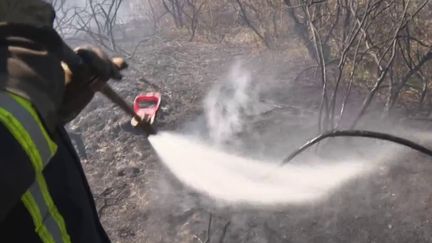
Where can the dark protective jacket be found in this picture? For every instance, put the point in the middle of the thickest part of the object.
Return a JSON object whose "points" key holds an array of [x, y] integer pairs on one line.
{"points": [[44, 195]]}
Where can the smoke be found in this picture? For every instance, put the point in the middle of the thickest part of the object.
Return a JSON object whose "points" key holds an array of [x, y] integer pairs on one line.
{"points": [[228, 104]]}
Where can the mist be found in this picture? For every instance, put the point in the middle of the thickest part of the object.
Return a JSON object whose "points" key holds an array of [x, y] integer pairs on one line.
{"points": [[228, 104], [239, 180], [209, 167]]}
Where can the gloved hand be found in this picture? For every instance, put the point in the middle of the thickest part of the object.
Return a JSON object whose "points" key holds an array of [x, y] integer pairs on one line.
{"points": [[85, 79]]}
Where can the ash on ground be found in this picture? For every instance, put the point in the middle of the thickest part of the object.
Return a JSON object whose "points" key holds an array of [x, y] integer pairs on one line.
{"points": [[139, 200]]}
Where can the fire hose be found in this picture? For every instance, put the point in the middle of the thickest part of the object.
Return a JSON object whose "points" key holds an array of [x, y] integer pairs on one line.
{"points": [[358, 133]]}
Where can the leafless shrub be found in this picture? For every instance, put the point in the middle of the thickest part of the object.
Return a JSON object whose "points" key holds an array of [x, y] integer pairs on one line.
{"points": [[373, 42], [381, 45]]}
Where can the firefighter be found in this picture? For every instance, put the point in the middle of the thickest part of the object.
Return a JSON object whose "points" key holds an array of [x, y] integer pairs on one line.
{"points": [[44, 195]]}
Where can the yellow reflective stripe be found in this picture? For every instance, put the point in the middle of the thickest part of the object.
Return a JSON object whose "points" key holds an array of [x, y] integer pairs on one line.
{"points": [[29, 107], [21, 135], [30, 126], [52, 208], [36, 215], [25, 139]]}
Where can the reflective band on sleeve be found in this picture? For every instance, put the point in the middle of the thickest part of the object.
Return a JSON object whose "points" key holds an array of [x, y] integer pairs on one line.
{"points": [[31, 205], [47, 219], [31, 135], [29, 107], [30, 125], [54, 213]]}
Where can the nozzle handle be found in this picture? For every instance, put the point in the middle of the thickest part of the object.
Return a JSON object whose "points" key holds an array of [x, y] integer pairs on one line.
{"points": [[73, 61], [116, 99]]}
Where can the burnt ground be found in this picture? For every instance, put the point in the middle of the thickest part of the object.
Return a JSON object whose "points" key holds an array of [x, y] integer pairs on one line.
{"points": [[139, 200]]}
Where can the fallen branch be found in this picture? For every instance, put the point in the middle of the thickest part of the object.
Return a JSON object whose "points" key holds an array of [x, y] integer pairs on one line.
{"points": [[358, 133]]}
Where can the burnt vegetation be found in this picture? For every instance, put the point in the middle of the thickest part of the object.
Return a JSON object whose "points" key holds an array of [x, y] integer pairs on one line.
{"points": [[382, 46], [362, 58]]}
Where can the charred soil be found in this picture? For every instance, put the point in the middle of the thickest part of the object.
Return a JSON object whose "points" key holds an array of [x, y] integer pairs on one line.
{"points": [[139, 200]]}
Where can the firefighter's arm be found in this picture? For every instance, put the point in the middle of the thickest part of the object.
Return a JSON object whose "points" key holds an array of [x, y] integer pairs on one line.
{"points": [[16, 173], [25, 146], [33, 50], [31, 54]]}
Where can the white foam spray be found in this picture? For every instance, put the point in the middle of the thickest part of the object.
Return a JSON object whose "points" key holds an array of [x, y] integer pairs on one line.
{"points": [[230, 178], [234, 179]]}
